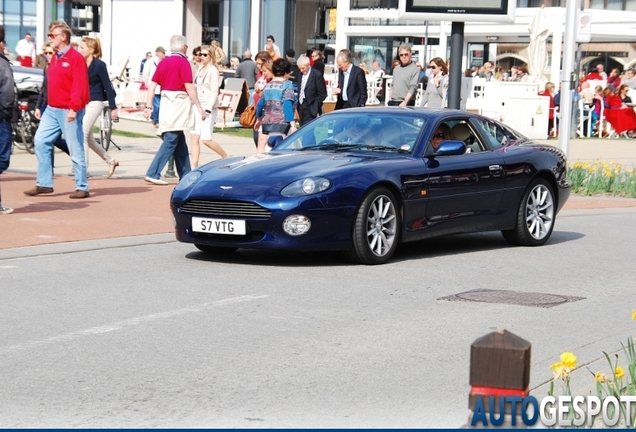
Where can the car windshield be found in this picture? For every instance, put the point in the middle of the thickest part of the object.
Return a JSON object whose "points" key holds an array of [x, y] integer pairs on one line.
{"points": [[355, 130]]}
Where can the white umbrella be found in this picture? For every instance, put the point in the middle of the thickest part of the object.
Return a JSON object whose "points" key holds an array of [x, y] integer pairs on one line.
{"points": [[538, 50]]}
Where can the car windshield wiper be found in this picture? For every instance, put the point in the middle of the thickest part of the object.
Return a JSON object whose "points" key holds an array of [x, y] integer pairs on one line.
{"points": [[332, 146], [385, 147]]}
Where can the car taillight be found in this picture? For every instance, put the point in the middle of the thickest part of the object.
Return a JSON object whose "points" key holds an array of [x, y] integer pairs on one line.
{"points": [[24, 106]]}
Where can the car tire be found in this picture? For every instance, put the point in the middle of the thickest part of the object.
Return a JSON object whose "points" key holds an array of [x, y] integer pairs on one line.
{"points": [[376, 229], [215, 250], [535, 217]]}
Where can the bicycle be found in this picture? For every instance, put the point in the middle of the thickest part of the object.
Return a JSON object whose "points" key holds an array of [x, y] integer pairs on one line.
{"points": [[106, 128]]}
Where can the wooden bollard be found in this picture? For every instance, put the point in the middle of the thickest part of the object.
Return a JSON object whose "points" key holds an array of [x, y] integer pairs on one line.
{"points": [[499, 372]]}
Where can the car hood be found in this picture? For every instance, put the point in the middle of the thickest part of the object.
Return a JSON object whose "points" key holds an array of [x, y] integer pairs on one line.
{"points": [[258, 174]]}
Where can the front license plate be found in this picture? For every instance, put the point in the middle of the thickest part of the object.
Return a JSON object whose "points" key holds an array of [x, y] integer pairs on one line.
{"points": [[218, 226]]}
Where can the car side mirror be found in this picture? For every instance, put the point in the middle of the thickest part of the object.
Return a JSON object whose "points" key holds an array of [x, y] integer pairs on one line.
{"points": [[451, 148]]}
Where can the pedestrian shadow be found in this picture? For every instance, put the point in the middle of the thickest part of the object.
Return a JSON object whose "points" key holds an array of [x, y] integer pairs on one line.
{"points": [[41, 207], [16, 178], [121, 190]]}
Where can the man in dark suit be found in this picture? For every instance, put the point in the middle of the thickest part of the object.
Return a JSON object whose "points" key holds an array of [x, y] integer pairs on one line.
{"points": [[352, 84], [312, 91]]}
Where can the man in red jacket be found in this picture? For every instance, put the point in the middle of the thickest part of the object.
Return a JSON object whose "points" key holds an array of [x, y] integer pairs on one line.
{"points": [[68, 94]]}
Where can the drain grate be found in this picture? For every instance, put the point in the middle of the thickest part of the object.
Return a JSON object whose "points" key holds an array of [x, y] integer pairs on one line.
{"points": [[533, 299]]}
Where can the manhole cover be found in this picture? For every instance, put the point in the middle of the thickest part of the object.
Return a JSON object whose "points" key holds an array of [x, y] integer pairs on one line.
{"points": [[542, 300]]}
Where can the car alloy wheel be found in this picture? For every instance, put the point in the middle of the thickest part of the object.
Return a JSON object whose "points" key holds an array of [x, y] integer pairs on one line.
{"points": [[376, 228], [535, 217]]}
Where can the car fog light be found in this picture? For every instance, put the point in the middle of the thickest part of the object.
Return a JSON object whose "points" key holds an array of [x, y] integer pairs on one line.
{"points": [[174, 221], [296, 225]]}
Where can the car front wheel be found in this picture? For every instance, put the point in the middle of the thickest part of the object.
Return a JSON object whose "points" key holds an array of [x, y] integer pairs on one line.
{"points": [[535, 217], [376, 228]]}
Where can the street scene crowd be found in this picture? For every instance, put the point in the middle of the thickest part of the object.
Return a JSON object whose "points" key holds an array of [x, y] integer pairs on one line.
{"points": [[286, 92]]}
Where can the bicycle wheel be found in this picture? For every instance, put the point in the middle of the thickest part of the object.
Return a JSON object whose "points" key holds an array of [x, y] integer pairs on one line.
{"points": [[105, 128], [26, 129]]}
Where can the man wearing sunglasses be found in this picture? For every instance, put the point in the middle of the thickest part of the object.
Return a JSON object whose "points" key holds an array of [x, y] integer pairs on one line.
{"points": [[68, 95], [405, 79]]}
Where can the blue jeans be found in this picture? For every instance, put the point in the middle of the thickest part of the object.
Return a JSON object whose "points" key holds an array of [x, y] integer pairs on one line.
{"points": [[6, 142], [52, 124], [174, 143], [154, 116]]}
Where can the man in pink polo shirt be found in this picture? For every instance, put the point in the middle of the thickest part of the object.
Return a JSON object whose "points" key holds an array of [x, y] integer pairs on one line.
{"points": [[174, 75]]}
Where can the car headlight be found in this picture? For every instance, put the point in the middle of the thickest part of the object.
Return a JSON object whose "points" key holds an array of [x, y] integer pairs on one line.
{"points": [[188, 180], [306, 186]]}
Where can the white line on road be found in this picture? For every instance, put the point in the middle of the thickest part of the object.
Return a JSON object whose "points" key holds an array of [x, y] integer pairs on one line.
{"points": [[130, 322]]}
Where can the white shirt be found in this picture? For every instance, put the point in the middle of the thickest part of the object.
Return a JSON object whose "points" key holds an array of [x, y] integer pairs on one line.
{"points": [[25, 48]]}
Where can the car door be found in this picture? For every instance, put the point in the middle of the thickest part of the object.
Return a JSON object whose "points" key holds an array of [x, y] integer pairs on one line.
{"points": [[464, 191]]}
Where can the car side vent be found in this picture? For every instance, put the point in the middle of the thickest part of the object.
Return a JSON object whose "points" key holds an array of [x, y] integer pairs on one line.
{"points": [[225, 208]]}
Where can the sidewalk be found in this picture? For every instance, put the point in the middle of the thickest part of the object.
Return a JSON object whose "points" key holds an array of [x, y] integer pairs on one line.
{"points": [[127, 206]]}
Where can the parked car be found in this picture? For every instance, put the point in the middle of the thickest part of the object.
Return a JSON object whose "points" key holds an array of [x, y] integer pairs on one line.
{"points": [[364, 180]]}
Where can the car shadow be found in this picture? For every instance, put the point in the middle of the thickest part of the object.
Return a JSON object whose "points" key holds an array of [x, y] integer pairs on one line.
{"points": [[274, 258], [440, 246], [465, 243]]}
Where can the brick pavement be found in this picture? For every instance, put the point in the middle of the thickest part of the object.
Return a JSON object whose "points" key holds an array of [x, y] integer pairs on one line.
{"points": [[127, 206]]}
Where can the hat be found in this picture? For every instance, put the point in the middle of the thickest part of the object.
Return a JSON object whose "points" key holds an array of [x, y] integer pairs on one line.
{"points": [[160, 49]]}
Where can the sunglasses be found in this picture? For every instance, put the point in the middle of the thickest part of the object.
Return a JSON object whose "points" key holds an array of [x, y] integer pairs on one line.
{"points": [[405, 55], [204, 55], [54, 35], [439, 136], [197, 55], [432, 67], [49, 53]]}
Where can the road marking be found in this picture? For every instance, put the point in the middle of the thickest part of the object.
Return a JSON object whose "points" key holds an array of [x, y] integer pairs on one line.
{"points": [[8, 266], [120, 325]]}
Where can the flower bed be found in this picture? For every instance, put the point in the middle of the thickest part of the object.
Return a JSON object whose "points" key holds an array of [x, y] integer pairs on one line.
{"points": [[602, 178]]}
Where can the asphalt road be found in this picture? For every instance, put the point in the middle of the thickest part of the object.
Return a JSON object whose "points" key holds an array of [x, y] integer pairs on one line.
{"points": [[128, 334]]}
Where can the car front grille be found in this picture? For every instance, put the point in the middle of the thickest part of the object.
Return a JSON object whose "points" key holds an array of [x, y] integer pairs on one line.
{"points": [[225, 209]]}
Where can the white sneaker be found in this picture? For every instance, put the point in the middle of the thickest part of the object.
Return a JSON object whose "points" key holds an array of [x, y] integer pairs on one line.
{"points": [[5, 210], [155, 181]]}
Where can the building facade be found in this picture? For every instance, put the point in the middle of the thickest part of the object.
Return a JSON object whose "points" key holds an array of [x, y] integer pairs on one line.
{"points": [[371, 29]]}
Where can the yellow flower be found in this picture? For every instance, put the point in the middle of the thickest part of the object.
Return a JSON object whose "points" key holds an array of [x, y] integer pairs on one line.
{"points": [[577, 165], [569, 360], [633, 314], [600, 377], [619, 373], [558, 370]]}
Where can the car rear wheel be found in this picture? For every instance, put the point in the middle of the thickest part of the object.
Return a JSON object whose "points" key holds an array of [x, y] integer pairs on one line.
{"points": [[535, 217], [215, 250], [376, 228]]}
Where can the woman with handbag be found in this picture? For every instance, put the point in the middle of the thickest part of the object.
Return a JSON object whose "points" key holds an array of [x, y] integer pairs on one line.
{"points": [[206, 82], [264, 65], [275, 109]]}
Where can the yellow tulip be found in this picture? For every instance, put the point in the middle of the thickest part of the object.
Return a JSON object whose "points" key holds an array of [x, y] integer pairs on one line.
{"points": [[633, 314], [569, 360], [619, 373]]}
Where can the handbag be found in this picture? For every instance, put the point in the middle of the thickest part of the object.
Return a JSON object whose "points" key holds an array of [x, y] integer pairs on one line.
{"points": [[248, 116]]}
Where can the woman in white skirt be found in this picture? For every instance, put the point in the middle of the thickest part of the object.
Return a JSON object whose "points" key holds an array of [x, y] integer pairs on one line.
{"points": [[206, 83], [101, 90]]}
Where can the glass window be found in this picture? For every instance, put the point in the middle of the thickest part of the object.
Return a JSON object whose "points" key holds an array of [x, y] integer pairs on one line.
{"points": [[274, 13], [359, 132], [239, 27], [12, 6], [373, 4], [495, 135], [615, 4], [597, 4], [29, 8], [630, 5]]}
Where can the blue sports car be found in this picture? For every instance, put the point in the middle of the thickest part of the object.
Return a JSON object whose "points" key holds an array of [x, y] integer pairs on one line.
{"points": [[364, 180]]}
